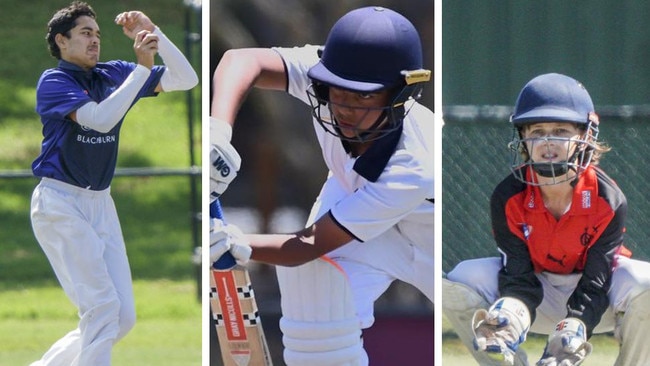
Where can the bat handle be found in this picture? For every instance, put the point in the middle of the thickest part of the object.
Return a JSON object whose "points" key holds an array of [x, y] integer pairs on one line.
{"points": [[226, 261], [215, 210]]}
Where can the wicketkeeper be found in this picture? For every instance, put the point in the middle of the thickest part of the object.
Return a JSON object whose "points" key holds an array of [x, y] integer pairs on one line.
{"points": [[558, 221]]}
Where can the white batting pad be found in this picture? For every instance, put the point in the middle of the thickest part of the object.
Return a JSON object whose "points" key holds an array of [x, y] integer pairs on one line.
{"points": [[319, 320]]}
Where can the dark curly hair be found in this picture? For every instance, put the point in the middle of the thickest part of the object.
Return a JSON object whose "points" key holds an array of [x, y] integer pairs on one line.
{"points": [[64, 20]]}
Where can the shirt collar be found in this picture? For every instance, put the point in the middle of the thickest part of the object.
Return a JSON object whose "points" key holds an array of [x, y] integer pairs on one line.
{"points": [[76, 68], [585, 192], [372, 162]]}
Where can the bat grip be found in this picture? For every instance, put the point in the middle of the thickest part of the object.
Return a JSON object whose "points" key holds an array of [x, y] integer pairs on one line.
{"points": [[226, 261]]}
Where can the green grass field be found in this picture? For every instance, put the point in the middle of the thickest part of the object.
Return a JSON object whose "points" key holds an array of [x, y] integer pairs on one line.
{"points": [[167, 332]]}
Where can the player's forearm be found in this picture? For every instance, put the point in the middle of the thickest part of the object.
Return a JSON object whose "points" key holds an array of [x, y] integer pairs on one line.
{"points": [[179, 74], [104, 116], [283, 249], [306, 245], [590, 298]]}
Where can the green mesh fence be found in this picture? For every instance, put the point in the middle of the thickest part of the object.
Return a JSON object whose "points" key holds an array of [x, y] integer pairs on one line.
{"points": [[475, 158]]}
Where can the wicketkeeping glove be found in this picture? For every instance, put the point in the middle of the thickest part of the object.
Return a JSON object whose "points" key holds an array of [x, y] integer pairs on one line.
{"points": [[568, 345], [500, 330], [228, 237], [224, 159]]}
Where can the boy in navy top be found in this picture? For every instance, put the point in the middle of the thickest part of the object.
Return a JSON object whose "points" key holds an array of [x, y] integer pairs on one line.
{"points": [[82, 103]]}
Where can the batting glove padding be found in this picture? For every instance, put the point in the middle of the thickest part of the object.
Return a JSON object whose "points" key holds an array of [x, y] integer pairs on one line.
{"points": [[567, 345], [500, 330], [228, 237], [224, 159]]}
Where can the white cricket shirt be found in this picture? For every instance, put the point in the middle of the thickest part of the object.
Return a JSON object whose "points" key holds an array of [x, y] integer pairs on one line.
{"points": [[385, 189]]}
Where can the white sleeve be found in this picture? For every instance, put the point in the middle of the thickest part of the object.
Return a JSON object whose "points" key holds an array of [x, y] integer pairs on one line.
{"points": [[298, 61], [375, 207], [179, 74], [105, 115]]}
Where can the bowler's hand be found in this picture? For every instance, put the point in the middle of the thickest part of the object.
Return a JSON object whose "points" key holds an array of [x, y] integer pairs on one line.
{"points": [[133, 22], [145, 47]]}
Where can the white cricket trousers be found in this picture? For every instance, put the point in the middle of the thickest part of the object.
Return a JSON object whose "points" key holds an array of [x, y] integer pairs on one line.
{"points": [[80, 233]]}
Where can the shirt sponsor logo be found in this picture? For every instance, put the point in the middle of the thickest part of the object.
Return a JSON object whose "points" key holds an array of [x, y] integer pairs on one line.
{"points": [[586, 199], [559, 261], [94, 140]]}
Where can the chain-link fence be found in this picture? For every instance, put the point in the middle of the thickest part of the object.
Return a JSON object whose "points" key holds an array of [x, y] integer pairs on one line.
{"points": [[475, 158]]}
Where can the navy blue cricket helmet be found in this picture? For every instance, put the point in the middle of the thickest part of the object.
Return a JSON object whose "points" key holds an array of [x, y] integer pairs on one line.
{"points": [[368, 50], [553, 98]]}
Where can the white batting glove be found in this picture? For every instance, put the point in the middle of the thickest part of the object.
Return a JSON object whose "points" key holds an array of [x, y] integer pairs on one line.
{"points": [[224, 159], [500, 330], [228, 237], [567, 345]]}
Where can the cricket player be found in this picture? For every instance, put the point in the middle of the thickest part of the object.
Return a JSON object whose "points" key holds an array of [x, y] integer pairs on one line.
{"points": [[82, 103], [559, 224], [372, 222]]}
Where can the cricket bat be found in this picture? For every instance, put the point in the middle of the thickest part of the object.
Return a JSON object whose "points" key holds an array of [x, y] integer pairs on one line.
{"points": [[234, 309]]}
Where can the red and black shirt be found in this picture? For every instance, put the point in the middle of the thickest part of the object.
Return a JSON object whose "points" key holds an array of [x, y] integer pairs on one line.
{"points": [[584, 240]]}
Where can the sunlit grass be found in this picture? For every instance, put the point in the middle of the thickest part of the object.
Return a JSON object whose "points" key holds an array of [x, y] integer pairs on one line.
{"points": [[168, 330]]}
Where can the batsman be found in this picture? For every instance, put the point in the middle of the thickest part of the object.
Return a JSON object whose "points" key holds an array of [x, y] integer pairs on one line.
{"points": [[559, 224], [372, 222]]}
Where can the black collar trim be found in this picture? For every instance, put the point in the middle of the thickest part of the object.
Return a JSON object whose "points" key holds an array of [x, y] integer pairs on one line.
{"points": [[371, 163]]}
